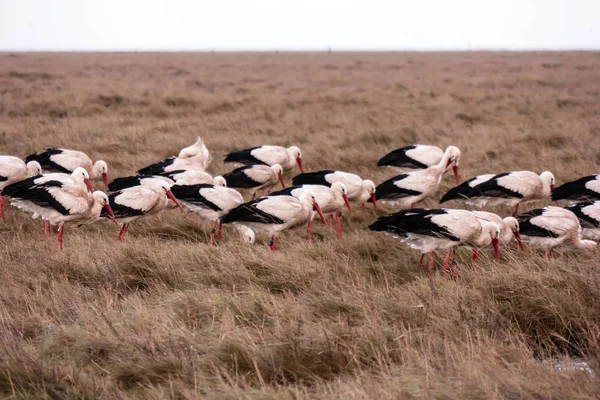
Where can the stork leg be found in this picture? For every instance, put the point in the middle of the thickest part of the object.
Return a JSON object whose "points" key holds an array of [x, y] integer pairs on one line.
{"points": [[155, 220], [273, 244], [46, 229], [483, 207], [338, 224], [476, 255], [548, 254], [212, 232], [329, 221], [516, 211], [309, 230], [123, 231], [421, 259], [220, 233], [446, 262], [61, 228], [431, 260], [2, 207], [363, 206]]}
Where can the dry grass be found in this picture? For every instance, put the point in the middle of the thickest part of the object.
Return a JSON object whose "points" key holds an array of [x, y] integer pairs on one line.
{"points": [[164, 315]]}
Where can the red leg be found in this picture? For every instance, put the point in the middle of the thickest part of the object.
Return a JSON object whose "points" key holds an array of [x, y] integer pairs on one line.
{"points": [[273, 244], [421, 259], [220, 233], [123, 231], [45, 229], [363, 206], [446, 261], [338, 224], [431, 259], [476, 254], [309, 230], [2, 207], [483, 207], [61, 228], [516, 210], [548, 254]]}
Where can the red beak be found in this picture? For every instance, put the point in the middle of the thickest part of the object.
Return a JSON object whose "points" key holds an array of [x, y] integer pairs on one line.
{"points": [[318, 210], [455, 170], [496, 249], [105, 179], [111, 213], [345, 197], [89, 185], [280, 176], [374, 201], [299, 161], [552, 189], [518, 236], [172, 197]]}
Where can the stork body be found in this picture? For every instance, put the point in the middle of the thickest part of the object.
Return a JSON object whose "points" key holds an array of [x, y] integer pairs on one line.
{"points": [[13, 169], [462, 191], [420, 156], [255, 177], [198, 151], [582, 189], [589, 219], [66, 161], [288, 158]]}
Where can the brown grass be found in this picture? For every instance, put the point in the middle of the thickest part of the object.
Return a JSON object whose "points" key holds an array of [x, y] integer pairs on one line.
{"points": [[164, 315]]}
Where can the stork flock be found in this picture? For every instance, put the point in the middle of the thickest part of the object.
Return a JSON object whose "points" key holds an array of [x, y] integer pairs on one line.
{"points": [[56, 185]]}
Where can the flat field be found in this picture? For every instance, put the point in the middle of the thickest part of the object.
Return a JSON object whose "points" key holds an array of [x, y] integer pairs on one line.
{"points": [[165, 315]]}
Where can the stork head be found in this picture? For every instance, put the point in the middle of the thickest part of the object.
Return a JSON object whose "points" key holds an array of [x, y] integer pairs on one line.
{"points": [[33, 168], [164, 187], [80, 175], [512, 224], [548, 178], [102, 200], [193, 150], [247, 234], [278, 170], [370, 187], [100, 169], [294, 152], [308, 197], [219, 181], [493, 230], [452, 155], [340, 188]]}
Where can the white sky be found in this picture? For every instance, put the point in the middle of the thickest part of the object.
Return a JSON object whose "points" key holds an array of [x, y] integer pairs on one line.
{"points": [[298, 25]]}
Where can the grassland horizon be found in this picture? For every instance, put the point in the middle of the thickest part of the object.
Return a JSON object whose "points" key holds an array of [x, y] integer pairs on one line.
{"points": [[165, 315]]}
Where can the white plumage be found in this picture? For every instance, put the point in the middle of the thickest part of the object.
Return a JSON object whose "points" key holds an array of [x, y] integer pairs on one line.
{"points": [[420, 156], [13, 169], [199, 152], [288, 158]]}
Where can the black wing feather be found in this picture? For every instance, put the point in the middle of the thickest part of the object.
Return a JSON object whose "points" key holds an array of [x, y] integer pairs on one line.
{"points": [[460, 192], [414, 220], [191, 194], [388, 190], [312, 178], [156, 168], [576, 190], [238, 179], [491, 188], [398, 158], [243, 157], [38, 194], [43, 157], [528, 229], [248, 212]]}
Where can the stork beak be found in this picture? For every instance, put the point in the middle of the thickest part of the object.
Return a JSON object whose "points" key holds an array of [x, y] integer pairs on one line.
{"points": [[552, 190], [299, 161], [172, 197], [111, 213], [518, 236], [105, 179], [89, 185], [345, 197], [317, 208], [280, 176], [374, 201], [455, 170], [496, 249]]}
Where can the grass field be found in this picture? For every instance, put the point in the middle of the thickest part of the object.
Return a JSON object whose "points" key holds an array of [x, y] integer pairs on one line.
{"points": [[165, 315]]}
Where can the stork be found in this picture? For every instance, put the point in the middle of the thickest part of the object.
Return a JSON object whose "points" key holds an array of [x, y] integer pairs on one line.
{"points": [[548, 227], [208, 201], [135, 202], [589, 219], [330, 199], [420, 156], [13, 169], [405, 190], [509, 228], [268, 155], [431, 230], [509, 188], [274, 214], [359, 190], [461, 192], [199, 151], [65, 161], [255, 177]]}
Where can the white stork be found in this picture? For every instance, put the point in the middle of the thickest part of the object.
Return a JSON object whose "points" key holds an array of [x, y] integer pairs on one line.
{"points": [[58, 201], [255, 177], [171, 164], [582, 189], [197, 150], [589, 219], [247, 234], [548, 227], [359, 190], [209, 201], [458, 192], [330, 199], [431, 230], [274, 214], [13, 169], [135, 202], [268, 155], [407, 189], [65, 161], [420, 156], [509, 228], [509, 188]]}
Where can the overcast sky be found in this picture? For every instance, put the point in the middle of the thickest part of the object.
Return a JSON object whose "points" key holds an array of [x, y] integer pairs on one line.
{"points": [[298, 25]]}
